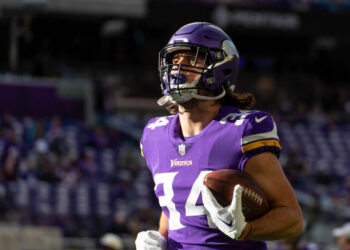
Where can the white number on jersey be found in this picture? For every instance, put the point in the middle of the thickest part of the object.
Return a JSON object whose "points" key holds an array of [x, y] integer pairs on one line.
{"points": [[167, 180], [232, 116], [162, 121], [191, 208]]}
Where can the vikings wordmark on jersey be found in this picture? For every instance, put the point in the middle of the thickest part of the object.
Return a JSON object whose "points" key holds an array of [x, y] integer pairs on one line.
{"points": [[178, 167]]}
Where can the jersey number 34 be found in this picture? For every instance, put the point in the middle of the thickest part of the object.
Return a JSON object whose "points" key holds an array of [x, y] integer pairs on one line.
{"points": [[191, 209]]}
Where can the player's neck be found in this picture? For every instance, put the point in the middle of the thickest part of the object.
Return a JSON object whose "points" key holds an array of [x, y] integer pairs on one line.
{"points": [[195, 116]]}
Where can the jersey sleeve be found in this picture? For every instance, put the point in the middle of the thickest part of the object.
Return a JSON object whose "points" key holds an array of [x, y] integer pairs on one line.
{"points": [[144, 138], [259, 135]]}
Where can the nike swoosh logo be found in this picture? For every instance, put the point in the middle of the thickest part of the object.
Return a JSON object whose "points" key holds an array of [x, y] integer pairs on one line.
{"points": [[227, 224], [258, 120]]}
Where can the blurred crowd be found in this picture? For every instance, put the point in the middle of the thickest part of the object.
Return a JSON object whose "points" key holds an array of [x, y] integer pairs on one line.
{"points": [[86, 180]]}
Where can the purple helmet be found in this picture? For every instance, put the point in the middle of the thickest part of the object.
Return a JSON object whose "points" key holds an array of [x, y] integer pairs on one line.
{"points": [[220, 67]]}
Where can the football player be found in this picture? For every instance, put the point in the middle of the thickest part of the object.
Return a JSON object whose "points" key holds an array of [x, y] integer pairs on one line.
{"points": [[211, 128]]}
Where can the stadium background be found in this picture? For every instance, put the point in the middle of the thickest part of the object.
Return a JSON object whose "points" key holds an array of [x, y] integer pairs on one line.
{"points": [[78, 81]]}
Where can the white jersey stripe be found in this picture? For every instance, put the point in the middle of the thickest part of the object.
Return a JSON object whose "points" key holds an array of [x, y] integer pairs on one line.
{"points": [[267, 135]]}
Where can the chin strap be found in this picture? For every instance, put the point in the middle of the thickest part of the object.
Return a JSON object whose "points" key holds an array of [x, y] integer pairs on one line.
{"points": [[165, 99], [209, 98]]}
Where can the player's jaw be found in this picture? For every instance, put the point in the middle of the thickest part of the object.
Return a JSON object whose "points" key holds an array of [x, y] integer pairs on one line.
{"points": [[197, 105], [189, 106]]}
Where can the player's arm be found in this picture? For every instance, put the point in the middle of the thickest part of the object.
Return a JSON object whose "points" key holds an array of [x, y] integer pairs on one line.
{"points": [[163, 225], [259, 145], [284, 219], [151, 239]]}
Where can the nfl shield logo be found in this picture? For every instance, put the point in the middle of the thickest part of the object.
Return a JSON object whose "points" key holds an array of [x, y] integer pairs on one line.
{"points": [[182, 149]]}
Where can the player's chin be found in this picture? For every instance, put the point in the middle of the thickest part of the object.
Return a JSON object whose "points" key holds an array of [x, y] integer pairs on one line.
{"points": [[189, 105]]}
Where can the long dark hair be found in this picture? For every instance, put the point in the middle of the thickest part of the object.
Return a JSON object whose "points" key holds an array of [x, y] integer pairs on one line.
{"points": [[238, 100]]}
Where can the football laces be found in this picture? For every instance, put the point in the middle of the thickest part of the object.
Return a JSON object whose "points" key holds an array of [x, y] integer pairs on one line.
{"points": [[253, 196]]}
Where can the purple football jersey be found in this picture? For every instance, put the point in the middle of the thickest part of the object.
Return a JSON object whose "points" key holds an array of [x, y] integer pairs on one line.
{"points": [[179, 165]]}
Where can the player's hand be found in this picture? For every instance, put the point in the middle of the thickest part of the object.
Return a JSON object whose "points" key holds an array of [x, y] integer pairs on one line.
{"points": [[150, 240], [230, 220]]}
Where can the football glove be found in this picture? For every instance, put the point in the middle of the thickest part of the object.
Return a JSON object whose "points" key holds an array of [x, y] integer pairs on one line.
{"points": [[150, 240], [230, 220]]}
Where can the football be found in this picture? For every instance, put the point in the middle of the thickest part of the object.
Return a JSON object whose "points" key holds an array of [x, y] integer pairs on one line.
{"points": [[222, 182]]}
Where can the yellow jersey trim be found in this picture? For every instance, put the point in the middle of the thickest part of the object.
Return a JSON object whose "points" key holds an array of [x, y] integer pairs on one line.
{"points": [[261, 143]]}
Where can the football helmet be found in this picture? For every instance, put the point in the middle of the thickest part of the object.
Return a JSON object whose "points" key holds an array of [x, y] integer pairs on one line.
{"points": [[220, 67]]}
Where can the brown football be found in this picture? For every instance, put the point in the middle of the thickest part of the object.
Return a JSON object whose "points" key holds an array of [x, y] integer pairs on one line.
{"points": [[222, 182]]}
